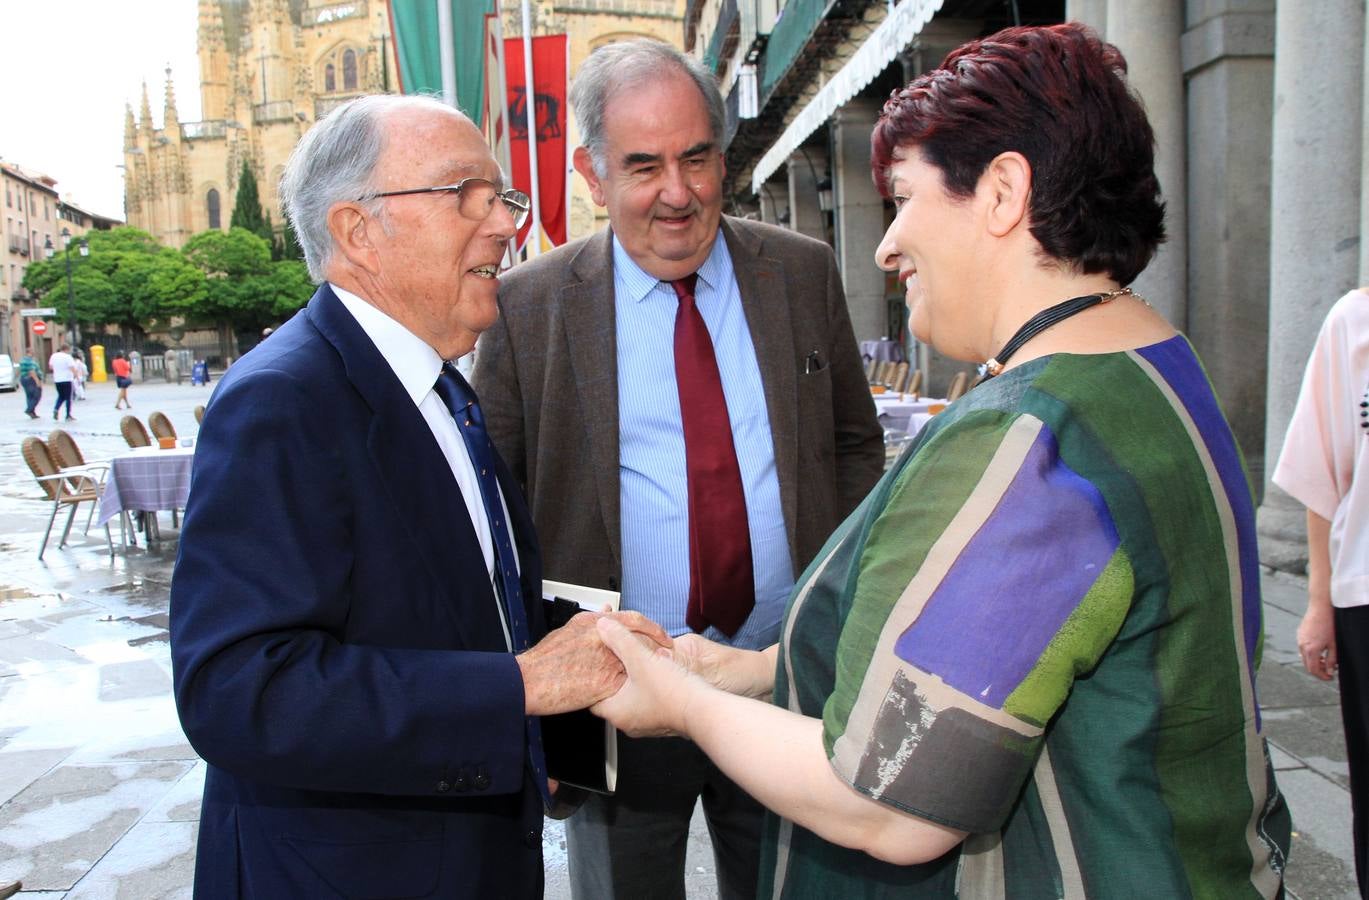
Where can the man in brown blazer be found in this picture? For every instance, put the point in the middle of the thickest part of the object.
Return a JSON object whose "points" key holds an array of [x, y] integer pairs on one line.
{"points": [[683, 400]]}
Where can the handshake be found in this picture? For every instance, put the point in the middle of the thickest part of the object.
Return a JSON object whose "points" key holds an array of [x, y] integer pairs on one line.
{"points": [[625, 668]]}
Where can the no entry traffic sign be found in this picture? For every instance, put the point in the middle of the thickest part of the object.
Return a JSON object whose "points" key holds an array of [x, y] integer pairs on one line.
{"points": [[40, 327]]}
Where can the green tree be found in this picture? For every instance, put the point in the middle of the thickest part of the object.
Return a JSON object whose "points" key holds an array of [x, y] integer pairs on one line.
{"points": [[127, 280], [290, 248], [246, 289], [247, 212]]}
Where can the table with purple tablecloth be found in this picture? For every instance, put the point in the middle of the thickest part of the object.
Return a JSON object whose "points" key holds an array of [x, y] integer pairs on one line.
{"points": [[147, 479]]}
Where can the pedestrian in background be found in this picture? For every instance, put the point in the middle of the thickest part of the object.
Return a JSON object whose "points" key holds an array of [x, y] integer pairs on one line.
{"points": [[30, 379], [1325, 467], [78, 375], [63, 367], [123, 378]]}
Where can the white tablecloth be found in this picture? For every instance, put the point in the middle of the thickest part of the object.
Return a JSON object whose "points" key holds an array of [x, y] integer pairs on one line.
{"points": [[899, 414], [882, 350], [147, 479]]}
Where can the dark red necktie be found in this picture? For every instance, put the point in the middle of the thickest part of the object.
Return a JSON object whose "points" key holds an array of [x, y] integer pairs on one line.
{"points": [[722, 589]]}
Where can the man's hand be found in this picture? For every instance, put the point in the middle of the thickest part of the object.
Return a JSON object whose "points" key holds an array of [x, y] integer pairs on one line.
{"points": [[571, 669]]}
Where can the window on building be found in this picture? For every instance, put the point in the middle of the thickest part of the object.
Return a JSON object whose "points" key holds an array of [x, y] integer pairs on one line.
{"points": [[349, 70], [46, 210], [329, 78], [211, 206], [9, 197]]}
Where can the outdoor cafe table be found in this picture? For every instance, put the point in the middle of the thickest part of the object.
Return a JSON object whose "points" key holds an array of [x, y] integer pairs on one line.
{"points": [[147, 479], [900, 412]]}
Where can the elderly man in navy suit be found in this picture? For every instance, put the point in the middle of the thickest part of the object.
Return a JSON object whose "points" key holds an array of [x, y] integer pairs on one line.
{"points": [[356, 612]]}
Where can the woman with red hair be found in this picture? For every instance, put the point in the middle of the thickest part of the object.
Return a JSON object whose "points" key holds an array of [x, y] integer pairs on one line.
{"points": [[1025, 666]]}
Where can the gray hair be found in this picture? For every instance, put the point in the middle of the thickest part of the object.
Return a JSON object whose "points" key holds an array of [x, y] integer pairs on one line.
{"points": [[626, 65], [334, 163]]}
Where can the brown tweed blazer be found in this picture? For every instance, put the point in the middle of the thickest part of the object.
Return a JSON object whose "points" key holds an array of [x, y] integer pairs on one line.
{"points": [[547, 378]]}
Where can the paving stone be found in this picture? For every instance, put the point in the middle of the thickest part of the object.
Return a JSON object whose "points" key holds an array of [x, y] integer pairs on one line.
{"points": [[126, 680], [1283, 760], [57, 828], [1314, 735], [1318, 875], [1321, 811], [1286, 685], [182, 802], [154, 861], [20, 768]]}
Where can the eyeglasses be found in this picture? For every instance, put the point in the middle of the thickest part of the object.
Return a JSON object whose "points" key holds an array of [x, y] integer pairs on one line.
{"points": [[476, 197]]}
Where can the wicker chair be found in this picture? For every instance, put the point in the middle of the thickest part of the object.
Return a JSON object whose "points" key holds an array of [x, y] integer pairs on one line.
{"points": [[67, 455], [899, 378], [134, 432], [914, 383], [57, 486], [161, 426], [958, 385], [199, 414]]}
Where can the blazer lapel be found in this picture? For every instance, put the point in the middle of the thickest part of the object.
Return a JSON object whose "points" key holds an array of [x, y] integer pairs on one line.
{"points": [[765, 299], [410, 467], [587, 311]]}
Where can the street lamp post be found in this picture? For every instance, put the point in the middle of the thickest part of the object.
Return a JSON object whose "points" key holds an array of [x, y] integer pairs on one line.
{"points": [[71, 293]]}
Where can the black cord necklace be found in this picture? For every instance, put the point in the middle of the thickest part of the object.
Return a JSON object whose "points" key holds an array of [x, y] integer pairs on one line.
{"points": [[1039, 323]]}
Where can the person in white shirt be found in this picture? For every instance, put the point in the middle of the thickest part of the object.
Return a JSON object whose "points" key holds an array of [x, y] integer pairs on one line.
{"points": [[1325, 466], [63, 367]]}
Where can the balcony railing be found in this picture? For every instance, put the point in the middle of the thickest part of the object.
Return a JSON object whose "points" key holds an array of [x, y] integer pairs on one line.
{"points": [[19, 245], [654, 8], [213, 128], [322, 15], [276, 111]]}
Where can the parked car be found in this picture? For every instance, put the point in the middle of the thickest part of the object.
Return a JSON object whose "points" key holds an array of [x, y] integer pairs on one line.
{"points": [[9, 374]]}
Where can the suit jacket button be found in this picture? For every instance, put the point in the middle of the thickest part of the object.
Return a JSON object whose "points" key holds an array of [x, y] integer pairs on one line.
{"points": [[532, 839], [482, 781], [443, 787], [462, 783]]}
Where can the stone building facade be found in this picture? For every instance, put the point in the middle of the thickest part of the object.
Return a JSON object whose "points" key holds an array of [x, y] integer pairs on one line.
{"points": [[268, 70], [34, 216]]}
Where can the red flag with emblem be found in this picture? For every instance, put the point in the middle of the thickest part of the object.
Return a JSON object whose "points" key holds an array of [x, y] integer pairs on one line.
{"points": [[549, 105]]}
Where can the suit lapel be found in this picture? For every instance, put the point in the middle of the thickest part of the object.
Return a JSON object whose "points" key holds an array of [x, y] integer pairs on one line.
{"points": [[410, 467], [587, 312], [761, 283]]}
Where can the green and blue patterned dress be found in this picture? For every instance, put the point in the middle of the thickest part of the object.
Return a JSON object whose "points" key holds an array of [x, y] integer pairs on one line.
{"points": [[1043, 628]]}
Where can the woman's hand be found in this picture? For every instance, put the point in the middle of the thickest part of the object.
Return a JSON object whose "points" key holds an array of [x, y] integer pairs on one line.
{"points": [[653, 700], [750, 673], [1317, 640]]}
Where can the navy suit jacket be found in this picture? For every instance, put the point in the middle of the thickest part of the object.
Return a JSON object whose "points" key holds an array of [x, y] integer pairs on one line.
{"points": [[338, 655]]}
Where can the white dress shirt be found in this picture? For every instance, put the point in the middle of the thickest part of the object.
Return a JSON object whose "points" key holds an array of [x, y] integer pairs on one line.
{"points": [[417, 366]]}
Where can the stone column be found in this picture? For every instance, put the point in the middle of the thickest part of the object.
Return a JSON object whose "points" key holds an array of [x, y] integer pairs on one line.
{"points": [[774, 199], [1229, 60], [1093, 13], [1314, 244], [806, 169], [859, 217], [1148, 32]]}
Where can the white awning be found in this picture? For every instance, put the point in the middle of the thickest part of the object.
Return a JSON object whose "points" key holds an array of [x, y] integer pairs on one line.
{"points": [[893, 34]]}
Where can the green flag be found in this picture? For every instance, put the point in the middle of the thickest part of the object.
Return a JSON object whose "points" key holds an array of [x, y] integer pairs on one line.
{"points": [[420, 56]]}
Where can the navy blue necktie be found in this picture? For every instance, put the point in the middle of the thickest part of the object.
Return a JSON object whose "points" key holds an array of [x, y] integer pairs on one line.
{"points": [[460, 400]]}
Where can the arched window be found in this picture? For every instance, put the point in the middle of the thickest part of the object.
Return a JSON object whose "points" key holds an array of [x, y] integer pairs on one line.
{"points": [[211, 205], [349, 70], [329, 78]]}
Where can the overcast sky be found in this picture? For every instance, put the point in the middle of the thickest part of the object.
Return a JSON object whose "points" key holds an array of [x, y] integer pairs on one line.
{"points": [[69, 69]]}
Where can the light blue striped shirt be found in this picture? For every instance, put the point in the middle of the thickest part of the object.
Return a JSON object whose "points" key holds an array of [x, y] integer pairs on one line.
{"points": [[651, 450]]}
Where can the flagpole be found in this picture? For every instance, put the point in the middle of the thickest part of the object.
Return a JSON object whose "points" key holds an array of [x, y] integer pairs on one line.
{"points": [[501, 145], [446, 51], [534, 242]]}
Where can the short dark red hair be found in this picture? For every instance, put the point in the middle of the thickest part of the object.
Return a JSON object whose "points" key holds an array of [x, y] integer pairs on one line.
{"points": [[1059, 96]]}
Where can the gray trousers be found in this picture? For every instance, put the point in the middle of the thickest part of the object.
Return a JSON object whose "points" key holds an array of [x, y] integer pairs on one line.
{"points": [[631, 846]]}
